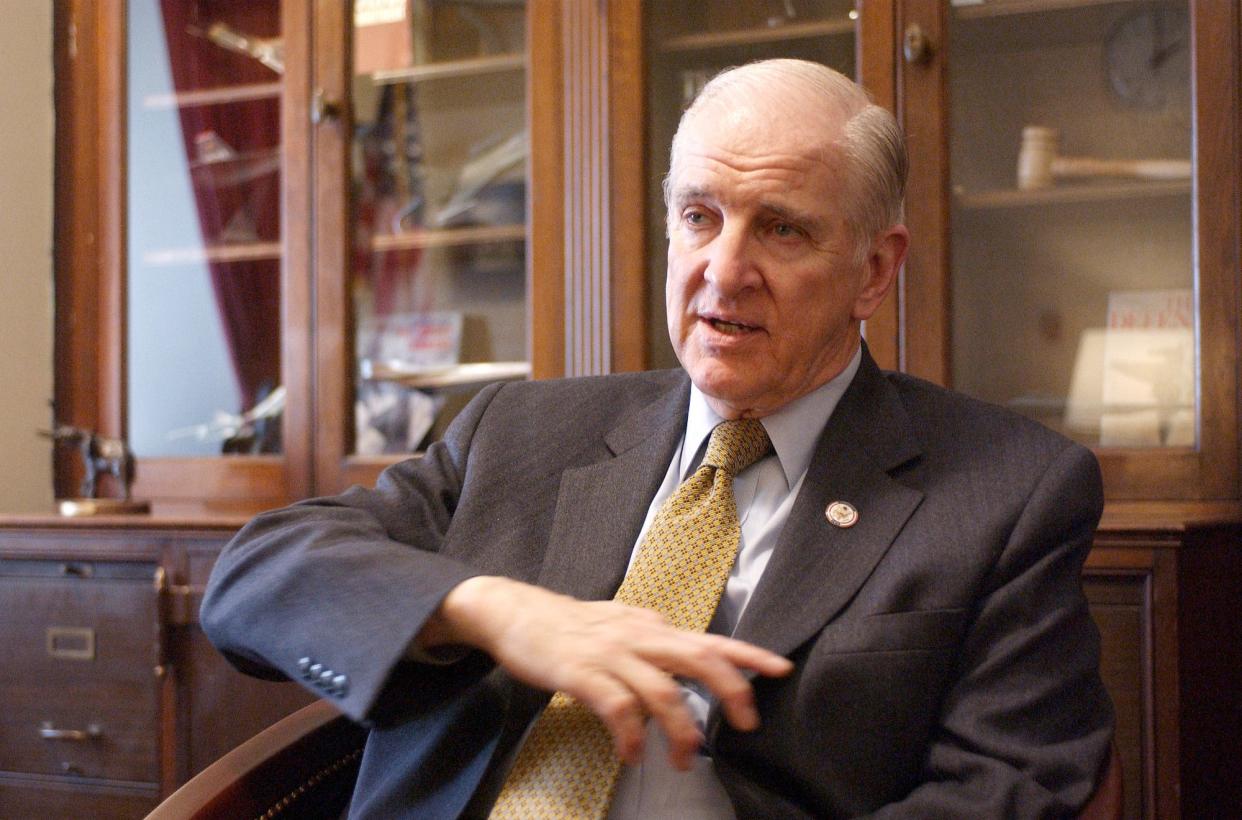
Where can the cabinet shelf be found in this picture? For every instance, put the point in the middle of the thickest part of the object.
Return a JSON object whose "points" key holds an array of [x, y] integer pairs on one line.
{"points": [[1005, 8], [1110, 192], [992, 28], [765, 34], [237, 252], [448, 69], [469, 375], [235, 170], [212, 96], [448, 237]]}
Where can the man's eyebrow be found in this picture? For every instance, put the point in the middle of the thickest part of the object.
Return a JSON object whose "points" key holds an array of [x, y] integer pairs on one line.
{"points": [[801, 218], [805, 219], [681, 195]]}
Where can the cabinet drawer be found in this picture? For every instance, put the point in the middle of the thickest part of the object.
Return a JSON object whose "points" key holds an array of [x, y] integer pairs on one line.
{"points": [[79, 683], [65, 800]]}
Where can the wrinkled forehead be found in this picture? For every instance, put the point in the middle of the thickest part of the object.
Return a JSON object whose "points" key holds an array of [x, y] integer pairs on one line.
{"points": [[756, 134]]}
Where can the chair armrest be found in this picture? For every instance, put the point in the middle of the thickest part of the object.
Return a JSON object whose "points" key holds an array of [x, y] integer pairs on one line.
{"points": [[302, 766]]}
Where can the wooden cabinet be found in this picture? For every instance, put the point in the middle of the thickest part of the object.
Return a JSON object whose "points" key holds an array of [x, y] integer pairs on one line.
{"points": [[177, 310], [1074, 207], [113, 696], [1024, 294], [1099, 295], [298, 235], [1102, 300], [1165, 585]]}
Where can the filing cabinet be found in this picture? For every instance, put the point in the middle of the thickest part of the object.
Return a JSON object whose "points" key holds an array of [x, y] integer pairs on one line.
{"points": [[112, 695], [83, 649]]}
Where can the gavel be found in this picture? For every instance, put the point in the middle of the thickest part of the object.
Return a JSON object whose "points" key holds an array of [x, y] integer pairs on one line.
{"points": [[1039, 166]]}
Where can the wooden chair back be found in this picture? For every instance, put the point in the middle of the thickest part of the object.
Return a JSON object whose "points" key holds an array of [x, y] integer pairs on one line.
{"points": [[304, 766]]}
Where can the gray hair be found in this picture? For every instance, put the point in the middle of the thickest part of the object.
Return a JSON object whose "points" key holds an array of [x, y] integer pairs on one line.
{"points": [[871, 142]]}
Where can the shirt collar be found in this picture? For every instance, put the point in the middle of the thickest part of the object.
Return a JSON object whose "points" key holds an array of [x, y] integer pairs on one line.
{"points": [[794, 428]]}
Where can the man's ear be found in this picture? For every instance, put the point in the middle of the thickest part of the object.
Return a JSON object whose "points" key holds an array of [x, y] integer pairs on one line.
{"points": [[879, 272]]}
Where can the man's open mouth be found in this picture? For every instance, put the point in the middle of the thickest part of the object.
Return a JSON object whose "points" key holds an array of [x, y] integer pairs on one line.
{"points": [[729, 327]]}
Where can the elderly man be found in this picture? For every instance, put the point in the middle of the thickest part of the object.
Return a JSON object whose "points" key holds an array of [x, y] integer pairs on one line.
{"points": [[778, 584]]}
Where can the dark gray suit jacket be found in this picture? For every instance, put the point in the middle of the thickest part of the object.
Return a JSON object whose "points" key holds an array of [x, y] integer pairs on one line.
{"points": [[946, 664]]}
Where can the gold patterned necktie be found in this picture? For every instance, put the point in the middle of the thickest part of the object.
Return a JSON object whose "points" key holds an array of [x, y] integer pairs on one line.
{"points": [[566, 769]]}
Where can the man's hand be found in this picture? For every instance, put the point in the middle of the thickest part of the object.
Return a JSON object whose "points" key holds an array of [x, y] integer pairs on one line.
{"points": [[620, 661]]}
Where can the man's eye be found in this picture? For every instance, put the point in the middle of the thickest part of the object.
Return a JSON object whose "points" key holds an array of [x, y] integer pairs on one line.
{"points": [[784, 230], [695, 218]]}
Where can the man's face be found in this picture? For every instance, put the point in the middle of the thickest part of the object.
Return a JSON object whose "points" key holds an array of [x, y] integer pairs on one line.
{"points": [[764, 291]]}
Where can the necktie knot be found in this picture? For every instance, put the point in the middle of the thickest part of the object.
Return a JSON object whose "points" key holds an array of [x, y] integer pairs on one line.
{"points": [[737, 444]]}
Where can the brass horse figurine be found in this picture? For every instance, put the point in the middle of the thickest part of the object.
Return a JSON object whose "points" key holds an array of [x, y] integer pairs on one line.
{"points": [[101, 455]]}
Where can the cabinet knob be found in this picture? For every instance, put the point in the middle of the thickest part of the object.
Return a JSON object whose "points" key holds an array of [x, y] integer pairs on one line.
{"points": [[323, 109], [915, 45]]}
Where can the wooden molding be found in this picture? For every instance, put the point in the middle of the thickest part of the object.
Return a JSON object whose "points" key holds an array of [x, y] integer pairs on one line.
{"points": [[628, 170], [877, 72], [922, 99], [586, 143], [545, 249], [76, 228]]}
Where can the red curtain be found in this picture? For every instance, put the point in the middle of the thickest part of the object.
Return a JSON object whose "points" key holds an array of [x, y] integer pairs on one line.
{"points": [[234, 150]]}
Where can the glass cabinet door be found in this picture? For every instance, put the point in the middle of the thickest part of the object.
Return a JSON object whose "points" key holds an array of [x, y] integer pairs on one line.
{"points": [[438, 173], [203, 227], [686, 44], [1073, 243]]}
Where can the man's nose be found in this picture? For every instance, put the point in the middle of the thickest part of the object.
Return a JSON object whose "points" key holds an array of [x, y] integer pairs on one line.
{"points": [[731, 262]]}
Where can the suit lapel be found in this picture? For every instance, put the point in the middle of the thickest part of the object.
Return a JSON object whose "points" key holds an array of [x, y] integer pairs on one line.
{"points": [[816, 564], [600, 507]]}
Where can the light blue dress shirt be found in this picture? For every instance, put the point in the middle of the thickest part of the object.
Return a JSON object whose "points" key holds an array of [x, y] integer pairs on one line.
{"points": [[765, 493]]}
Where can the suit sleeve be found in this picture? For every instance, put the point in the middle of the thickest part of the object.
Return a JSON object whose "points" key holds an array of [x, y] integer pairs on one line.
{"points": [[342, 585], [1026, 725]]}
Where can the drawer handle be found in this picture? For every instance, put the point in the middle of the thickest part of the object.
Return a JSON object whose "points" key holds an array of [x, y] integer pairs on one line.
{"points": [[76, 569], [48, 732]]}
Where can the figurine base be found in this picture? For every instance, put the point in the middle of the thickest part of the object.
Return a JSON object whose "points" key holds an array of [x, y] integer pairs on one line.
{"points": [[74, 507]]}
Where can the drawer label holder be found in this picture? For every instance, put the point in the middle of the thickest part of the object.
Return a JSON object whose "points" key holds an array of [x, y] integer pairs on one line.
{"points": [[72, 643]]}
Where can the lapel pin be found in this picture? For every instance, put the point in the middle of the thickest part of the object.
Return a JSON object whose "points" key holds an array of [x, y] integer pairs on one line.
{"points": [[841, 514]]}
